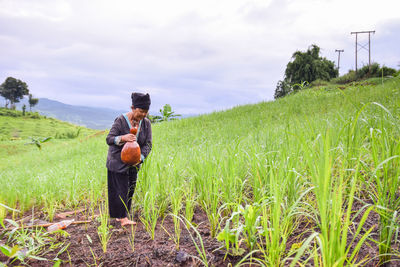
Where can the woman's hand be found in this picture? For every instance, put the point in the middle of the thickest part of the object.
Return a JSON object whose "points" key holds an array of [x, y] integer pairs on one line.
{"points": [[128, 138]]}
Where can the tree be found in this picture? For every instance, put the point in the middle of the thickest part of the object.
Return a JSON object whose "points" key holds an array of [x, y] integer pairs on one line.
{"points": [[306, 67], [32, 102], [13, 90], [282, 89]]}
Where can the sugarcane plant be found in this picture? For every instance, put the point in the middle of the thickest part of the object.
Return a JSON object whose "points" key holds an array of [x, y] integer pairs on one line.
{"points": [[104, 229], [38, 141]]}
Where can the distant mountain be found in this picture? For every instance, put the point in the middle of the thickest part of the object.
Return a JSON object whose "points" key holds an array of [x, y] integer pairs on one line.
{"points": [[90, 117]]}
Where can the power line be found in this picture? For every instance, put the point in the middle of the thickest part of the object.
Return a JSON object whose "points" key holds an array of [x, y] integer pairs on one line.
{"points": [[363, 46]]}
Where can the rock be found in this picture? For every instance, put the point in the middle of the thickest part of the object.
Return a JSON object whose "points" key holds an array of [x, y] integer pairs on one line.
{"points": [[181, 256]]}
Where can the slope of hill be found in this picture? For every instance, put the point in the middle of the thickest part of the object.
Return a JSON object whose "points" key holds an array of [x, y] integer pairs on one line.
{"points": [[13, 125], [17, 129], [322, 163]]}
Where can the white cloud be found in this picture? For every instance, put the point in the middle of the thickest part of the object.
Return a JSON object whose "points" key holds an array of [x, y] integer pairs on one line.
{"points": [[198, 56], [51, 10]]}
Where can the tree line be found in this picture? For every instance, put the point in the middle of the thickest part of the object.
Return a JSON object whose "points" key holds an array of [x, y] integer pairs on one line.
{"points": [[307, 67], [13, 90]]}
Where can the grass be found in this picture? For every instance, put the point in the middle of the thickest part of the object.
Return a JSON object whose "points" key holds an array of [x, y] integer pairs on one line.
{"points": [[16, 130], [20, 127], [104, 229], [70, 181], [309, 157]]}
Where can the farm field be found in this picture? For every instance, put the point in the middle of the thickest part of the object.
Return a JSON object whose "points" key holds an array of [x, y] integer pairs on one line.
{"points": [[311, 179]]}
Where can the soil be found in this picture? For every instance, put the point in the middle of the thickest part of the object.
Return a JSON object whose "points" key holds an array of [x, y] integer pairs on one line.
{"points": [[85, 248]]}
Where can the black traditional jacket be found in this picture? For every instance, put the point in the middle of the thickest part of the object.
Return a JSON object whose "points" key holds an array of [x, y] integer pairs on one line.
{"points": [[119, 128]]}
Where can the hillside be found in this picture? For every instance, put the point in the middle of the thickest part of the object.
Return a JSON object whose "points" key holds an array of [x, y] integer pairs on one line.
{"points": [[17, 129], [295, 176]]}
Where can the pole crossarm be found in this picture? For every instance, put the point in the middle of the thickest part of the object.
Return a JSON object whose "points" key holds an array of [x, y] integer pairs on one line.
{"points": [[363, 32]]}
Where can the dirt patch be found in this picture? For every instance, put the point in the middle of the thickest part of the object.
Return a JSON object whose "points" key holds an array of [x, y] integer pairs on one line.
{"points": [[85, 248]]}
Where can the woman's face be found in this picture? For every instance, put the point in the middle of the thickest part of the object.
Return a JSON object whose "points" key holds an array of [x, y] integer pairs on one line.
{"points": [[138, 113]]}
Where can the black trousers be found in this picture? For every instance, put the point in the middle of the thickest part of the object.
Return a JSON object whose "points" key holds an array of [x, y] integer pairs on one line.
{"points": [[121, 187]]}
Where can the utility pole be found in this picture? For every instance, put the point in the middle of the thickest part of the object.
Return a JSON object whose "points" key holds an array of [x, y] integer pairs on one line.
{"points": [[338, 61], [363, 46]]}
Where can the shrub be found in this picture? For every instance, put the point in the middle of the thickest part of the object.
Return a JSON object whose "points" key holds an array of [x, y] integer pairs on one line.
{"points": [[386, 71], [68, 134], [34, 115], [364, 73], [10, 112], [367, 72], [347, 78], [319, 82]]}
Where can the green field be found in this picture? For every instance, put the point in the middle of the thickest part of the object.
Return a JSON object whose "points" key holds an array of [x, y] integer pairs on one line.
{"points": [[17, 129], [325, 156]]}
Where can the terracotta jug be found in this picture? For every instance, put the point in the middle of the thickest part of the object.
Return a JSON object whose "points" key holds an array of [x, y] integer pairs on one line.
{"points": [[130, 153]]}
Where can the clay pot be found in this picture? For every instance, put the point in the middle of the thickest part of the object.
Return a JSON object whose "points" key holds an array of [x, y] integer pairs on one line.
{"points": [[130, 153]]}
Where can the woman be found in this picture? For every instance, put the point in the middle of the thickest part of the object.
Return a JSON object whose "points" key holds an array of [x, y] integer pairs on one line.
{"points": [[120, 176]]}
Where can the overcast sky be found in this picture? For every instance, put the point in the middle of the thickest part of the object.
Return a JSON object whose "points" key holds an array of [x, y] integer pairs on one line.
{"points": [[198, 56]]}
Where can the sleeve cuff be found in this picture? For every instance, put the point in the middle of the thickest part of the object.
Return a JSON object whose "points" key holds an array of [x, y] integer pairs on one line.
{"points": [[117, 140]]}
